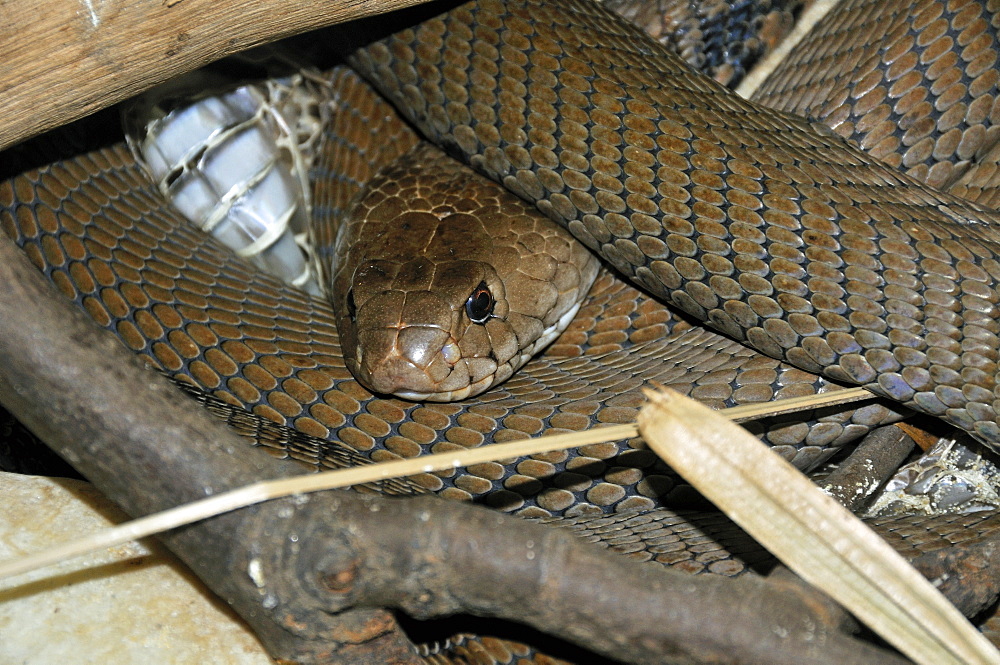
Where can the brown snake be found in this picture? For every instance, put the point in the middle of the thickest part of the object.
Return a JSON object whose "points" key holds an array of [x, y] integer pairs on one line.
{"points": [[642, 162], [769, 227]]}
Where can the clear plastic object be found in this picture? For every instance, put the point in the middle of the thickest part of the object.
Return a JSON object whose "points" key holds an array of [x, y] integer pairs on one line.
{"points": [[236, 163]]}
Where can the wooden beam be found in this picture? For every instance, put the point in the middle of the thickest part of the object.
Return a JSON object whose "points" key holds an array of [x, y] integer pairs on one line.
{"points": [[65, 59]]}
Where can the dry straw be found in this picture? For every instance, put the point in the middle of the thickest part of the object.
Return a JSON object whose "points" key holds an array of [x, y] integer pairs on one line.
{"points": [[275, 489], [810, 532]]}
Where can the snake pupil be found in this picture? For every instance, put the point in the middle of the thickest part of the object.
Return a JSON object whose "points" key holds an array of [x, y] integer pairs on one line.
{"points": [[480, 304]]}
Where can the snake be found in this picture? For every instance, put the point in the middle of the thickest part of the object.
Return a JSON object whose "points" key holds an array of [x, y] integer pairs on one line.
{"points": [[820, 265], [641, 171]]}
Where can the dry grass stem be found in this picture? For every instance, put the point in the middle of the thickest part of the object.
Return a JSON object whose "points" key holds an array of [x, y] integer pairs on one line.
{"points": [[274, 489], [810, 532]]}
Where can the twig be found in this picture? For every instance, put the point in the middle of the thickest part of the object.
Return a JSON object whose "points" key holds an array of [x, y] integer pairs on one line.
{"points": [[868, 467], [275, 489]]}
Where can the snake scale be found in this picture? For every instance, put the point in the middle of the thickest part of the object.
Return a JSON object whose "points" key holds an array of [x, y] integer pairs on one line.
{"points": [[829, 260]]}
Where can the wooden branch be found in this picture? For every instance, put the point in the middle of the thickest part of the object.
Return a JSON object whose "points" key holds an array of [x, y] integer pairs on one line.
{"points": [[430, 565], [138, 439], [870, 465], [298, 569], [64, 59], [968, 574]]}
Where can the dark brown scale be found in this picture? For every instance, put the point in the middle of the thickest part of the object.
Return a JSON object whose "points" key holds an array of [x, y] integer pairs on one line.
{"points": [[720, 38]]}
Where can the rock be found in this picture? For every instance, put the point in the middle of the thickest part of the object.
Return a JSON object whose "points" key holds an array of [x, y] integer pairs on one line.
{"points": [[135, 603]]}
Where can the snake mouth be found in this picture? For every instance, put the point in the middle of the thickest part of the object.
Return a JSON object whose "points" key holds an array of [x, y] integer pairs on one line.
{"points": [[471, 390]]}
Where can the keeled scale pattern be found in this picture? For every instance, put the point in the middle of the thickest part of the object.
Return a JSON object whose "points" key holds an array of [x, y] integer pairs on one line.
{"points": [[773, 230]]}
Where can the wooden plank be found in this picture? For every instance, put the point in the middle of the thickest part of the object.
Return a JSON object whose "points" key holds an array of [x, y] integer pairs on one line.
{"points": [[65, 59]]}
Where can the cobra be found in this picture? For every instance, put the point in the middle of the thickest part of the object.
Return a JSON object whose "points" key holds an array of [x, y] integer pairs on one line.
{"points": [[817, 234]]}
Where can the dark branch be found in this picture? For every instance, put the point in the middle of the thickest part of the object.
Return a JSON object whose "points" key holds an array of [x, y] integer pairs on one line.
{"points": [[868, 467], [297, 570], [148, 448]]}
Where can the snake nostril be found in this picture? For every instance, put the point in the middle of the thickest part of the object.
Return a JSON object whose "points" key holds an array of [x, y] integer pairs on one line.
{"points": [[451, 353], [352, 308]]}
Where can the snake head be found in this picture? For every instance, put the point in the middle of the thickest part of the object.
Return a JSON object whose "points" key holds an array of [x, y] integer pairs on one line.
{"points": [[444, 284], [448, 340]]}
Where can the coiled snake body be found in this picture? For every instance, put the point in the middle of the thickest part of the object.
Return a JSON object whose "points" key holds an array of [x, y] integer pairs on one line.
{"points": [[769, 227], [644, 163], [772, 229]]}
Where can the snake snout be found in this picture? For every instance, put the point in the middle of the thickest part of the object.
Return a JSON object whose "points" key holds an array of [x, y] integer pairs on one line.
{"points": [[414, 344], [415, 362]]}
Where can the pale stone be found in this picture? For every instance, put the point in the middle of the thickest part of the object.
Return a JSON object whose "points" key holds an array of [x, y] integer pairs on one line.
{"points": [[132, 604]]}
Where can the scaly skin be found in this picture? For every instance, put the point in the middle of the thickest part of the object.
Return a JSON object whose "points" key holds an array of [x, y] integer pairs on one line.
{"points": [[427, 235], [769, 228], [97, 229]]}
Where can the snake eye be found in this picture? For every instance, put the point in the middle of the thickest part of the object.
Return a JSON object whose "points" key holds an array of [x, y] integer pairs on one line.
{"points": [[480, 304], [352, 309]]}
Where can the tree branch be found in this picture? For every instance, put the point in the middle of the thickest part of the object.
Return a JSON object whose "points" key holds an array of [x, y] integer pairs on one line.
{"points": [[138, 439], [297, 570]]}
